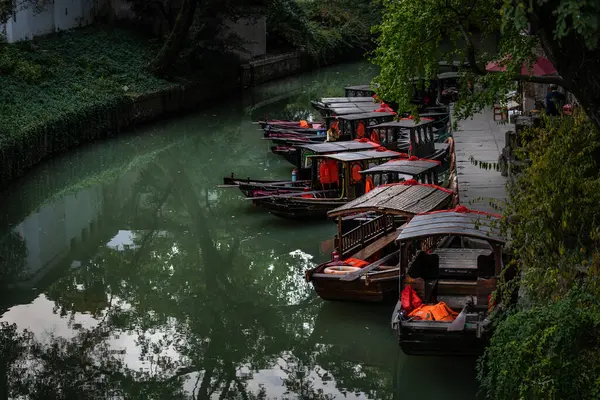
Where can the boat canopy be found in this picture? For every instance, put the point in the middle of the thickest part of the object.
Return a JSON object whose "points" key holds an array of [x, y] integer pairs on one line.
{"points": [[330, 100], [399, 198], [366, 115], [353, 108], [334, 147], [407, 167], [361, 155], [406, 124], [460, 221], [359, 87], [449, 75]]}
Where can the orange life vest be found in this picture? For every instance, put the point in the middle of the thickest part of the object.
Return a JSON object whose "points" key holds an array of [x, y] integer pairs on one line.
{"points": [[303, 124], [360, 130], [437, 312], [375, 137], [356, 176], [309, 195], [355, 262], [369, 185], [328, 171]]}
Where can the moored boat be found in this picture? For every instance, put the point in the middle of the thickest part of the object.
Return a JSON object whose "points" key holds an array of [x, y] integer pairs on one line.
{"points": [[299, 155], [446, 291], [335, 179], [362, 180], [364, 265]]}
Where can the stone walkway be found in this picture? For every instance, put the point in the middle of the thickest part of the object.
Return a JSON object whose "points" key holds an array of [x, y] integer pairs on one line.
{"points": [[482, 139]]}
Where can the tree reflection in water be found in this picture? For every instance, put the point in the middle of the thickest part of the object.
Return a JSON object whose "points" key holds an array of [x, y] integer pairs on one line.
{"points": [[204, 311], [188, 302]]}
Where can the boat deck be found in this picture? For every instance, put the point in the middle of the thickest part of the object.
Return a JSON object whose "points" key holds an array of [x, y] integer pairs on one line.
{"points": [[482, 139]]}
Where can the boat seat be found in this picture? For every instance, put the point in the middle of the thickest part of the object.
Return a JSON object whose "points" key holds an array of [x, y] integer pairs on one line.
{"points": [[457, 287], [460, 263]]}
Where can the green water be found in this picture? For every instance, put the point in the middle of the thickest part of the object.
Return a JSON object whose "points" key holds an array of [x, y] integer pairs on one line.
{"points": [[129, 274]]}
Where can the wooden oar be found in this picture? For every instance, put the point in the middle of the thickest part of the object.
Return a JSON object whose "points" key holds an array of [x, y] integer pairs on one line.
{"points": [[228, 186], [459, 323], [295, 194], [355, 275]]}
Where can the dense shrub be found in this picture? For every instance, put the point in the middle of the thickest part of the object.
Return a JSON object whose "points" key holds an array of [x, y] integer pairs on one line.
{"points": [[323, 29], [550, 351], [549, 347], [554, 206]]}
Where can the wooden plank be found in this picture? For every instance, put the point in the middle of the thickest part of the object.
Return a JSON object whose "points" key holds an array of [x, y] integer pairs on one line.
{"points": [[355, 275], [376, 245]]}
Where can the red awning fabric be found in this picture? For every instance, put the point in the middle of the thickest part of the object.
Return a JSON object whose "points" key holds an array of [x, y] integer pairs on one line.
{"points": [[541, 67]]}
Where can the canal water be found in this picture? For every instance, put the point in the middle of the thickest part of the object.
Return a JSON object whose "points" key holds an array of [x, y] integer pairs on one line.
{"points": [[125, 272]]}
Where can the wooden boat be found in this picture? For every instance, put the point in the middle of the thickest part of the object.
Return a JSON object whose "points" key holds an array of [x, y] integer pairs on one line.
{"points": [[359, 91], [391, 134], [342, 128], [297, 155], [412, 169], [462, 275], [260, 187], [335, 179], [372, 243], [316, 205]]}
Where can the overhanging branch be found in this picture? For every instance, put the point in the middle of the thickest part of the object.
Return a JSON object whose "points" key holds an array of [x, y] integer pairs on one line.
{"points": [[476, 69]]}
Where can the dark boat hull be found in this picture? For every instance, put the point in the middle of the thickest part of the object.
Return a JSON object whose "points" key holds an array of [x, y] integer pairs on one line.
{"points": [[441, 343], [298, 208], [381, 290], [254, 188]]}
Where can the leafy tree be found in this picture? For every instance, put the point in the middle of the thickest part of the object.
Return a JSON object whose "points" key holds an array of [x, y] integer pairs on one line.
{"points": [[197, 22], [415, 35]]}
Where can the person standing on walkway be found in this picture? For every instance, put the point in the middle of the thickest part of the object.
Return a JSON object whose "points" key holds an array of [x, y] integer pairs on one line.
{"points": [[554, 100]]}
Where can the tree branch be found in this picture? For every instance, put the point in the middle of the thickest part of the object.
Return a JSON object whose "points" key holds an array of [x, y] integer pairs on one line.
{"points": [[476, 69]]}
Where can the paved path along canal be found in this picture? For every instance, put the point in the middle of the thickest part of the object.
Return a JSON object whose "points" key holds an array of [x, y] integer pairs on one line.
{"points": [[123, 257], [481, 139]]}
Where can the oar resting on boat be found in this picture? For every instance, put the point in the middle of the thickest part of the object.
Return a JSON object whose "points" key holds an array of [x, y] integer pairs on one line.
{"points": [[355, 275], [295, 194]]}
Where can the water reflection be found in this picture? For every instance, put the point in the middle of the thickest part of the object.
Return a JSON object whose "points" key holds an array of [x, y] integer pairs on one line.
{"points": [[127, 274]]}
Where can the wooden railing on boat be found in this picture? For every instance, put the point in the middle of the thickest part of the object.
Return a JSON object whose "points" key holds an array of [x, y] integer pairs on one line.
{"points": [[366, 233]]}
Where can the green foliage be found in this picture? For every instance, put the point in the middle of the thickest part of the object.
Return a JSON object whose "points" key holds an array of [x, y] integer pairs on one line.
{"points": [[554, 206], [415, 35], [546, 352], [551, 350], [57, 87], [323, 29]]}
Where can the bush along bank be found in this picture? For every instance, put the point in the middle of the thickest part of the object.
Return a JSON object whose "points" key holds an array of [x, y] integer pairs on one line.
{"points": [[548, 347], [77, 86]]}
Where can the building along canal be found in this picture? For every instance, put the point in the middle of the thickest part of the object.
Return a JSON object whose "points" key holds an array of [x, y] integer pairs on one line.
{"points": [[129, 274]]}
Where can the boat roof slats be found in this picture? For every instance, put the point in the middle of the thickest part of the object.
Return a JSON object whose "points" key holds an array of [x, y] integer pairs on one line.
{"points": [[408, 167], [453, 223], [396, 199], [347, 100], [359, 87], [331, 147], [351, 110], [401, 124], [363, 155], [366, 115]]}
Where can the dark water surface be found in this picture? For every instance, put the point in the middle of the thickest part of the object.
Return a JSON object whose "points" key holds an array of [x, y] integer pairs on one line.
{"points": [[128, 274]]}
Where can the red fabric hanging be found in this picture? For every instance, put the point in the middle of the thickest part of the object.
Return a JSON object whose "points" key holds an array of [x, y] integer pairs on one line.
{"points": [[328, 172], [409, 299]]}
